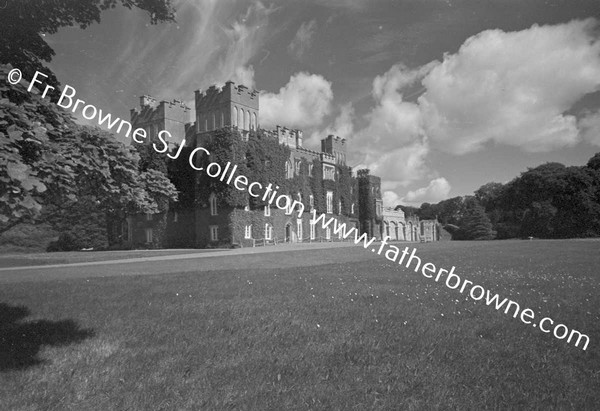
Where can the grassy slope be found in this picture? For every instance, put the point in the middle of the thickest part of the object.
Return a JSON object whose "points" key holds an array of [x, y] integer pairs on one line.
{"points": [[68, 257], [366, 335]]}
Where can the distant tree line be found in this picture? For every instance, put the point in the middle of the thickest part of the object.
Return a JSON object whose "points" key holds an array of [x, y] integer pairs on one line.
{"points": [[548, 201]]}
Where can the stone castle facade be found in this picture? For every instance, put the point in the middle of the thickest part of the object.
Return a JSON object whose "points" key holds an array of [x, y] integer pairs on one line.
{"points": [[206, 221]]}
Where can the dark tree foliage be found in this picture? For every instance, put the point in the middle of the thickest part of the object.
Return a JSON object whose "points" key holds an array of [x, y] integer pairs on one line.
{"points": [[51, 163], [548, 201], [24, 23], [475, 224]]}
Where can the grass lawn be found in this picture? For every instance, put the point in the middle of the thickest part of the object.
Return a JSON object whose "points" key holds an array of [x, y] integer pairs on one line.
{"points": [[345, 335], [68, 257]]}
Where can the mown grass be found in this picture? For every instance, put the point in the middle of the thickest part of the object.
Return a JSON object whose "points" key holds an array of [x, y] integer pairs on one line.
{"points": [[366, 335], [68, 257]]}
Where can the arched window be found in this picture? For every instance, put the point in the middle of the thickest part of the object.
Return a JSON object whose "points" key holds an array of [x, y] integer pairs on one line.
{"points": [[240, 119], [213, 204], [352, 209], [234, 117], [246, 120], [289, 171], [254, 122], [222, 119]]}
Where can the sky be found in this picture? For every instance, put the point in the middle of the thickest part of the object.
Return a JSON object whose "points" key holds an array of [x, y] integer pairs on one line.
{"points": [[437, 97]]}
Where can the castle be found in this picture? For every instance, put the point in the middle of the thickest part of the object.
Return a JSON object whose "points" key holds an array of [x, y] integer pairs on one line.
{"points": [[208, 215]]}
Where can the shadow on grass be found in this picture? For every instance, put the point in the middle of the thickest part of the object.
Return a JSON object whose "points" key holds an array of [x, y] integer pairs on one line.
{"points": [[20, 342]]}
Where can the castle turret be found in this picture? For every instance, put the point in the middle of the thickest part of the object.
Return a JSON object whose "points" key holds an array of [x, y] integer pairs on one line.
{"points": [[155, 117], [336, 146], [230, 106]]}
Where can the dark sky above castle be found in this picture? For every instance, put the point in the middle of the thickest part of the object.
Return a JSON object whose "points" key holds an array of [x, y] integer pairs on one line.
{"points": [[435, 96]]}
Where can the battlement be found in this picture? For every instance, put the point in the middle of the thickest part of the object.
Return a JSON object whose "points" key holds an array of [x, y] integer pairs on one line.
{"points": [[336, 146], [289, 137], [164, 115], [390, 212], [327, 158], [228, 106]]}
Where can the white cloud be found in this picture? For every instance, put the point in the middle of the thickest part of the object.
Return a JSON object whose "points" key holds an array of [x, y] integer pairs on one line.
{"points": [[342, 127], [512, 88], [303, 39], [390, 199], [303, 102], [437, 190], [399, 166], [392, 144], [590, 127]]}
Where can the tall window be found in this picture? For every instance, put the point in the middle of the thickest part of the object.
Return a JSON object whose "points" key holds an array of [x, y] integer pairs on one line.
{"points": [[352, 209], [214, 122], [148, 235], [175, 217], [254, 122], [214, 233], [246, 120], [311, 201], [310, 170], [312, 230], [248, 231], [268, 231], [299, 229], [240, 120], [298, 165], [339, 207], [234, 117], [267, 210], [289, 208], [289, 172], [330, 201], [328, 233], [222, 119], [213, 204]]}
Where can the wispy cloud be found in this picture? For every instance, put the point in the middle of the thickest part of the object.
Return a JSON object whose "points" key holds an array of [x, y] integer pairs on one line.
{"points": [[303, 39]]}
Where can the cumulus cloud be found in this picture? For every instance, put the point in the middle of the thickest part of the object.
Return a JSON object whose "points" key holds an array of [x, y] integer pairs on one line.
{"points": [[303, 39], [437, 190], [390, 199], [342, 127], [590, 127], [303, 102], [400, 166], [393, 144], [512, 88]]}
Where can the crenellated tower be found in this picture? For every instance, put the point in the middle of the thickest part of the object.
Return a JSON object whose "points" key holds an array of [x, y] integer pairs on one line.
{"points": [[230, 106]]}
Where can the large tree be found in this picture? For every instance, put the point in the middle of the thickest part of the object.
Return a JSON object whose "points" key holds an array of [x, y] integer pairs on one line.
{"points": [[24, 23], [46, 159]]}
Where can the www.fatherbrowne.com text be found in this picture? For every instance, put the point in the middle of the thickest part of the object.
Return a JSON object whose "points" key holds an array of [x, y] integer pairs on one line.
{"points": [[453, 281]]}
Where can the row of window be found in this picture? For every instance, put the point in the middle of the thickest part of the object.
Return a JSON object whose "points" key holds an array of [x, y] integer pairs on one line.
{"points": [[268, 231], [239, 118], [311, 200]]}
